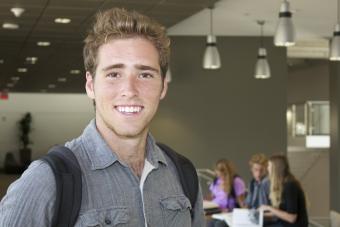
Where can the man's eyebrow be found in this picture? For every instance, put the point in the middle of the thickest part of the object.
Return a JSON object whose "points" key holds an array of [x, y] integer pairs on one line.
{"points": [[114, 66], [146, 67], [121, 66]]}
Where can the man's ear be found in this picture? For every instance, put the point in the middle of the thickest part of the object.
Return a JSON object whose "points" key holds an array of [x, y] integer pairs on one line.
{"points": [[89, 86], [165, 89]]}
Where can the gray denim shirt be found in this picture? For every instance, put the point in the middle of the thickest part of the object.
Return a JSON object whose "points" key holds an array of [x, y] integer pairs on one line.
{"points": [[258, 193], [111, 194]]}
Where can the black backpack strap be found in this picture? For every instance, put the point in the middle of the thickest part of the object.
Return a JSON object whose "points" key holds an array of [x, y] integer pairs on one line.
{"points": [[186, 172], [68, 185], [233, 192]]}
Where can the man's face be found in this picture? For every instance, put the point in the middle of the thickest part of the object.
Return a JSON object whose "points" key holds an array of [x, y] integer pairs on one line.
{"points": [[127, 86], [258, 171]]}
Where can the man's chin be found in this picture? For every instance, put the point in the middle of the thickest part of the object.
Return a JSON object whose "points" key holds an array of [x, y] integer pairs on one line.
{"points": [[133, 133]]}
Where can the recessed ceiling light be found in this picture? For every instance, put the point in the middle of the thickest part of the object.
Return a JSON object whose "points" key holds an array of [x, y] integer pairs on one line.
{"points": [[22, 70], [10, 85], [17, 11], [62, 20], [15, 78], [62, 79], [2, 61], [31, 60], [51, 86], [43, 43], [10, 26], [75, 71]]}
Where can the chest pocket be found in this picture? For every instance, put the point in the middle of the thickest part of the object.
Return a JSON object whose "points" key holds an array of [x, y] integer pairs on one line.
{"points": [[176, 211], [113, 216]]}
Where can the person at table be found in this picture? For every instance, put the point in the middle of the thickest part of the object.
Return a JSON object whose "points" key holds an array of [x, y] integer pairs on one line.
{"points": [[287, 198], [258, 193], [228, 189]]}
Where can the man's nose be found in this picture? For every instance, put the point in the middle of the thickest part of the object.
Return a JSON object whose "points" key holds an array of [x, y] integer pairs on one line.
{"points": [[129, 87]]}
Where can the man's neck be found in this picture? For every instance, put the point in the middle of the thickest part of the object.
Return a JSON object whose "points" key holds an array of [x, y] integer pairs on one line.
{"points": [[131, 151]]}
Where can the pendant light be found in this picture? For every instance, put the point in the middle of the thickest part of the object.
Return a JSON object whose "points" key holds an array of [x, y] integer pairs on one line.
{"points": [[211, 59], [285, 31], [334, 52], [262, 69]]}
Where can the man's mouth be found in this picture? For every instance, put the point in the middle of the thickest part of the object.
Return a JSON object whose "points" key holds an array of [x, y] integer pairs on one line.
{"points": [[129, 109]]}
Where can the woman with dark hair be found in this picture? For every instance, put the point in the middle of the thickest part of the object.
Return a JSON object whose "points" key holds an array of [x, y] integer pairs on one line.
{"points": [[288, 203]]}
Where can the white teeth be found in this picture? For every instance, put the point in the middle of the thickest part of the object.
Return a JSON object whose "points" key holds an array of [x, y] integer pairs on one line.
{"points": [[129, 109]]}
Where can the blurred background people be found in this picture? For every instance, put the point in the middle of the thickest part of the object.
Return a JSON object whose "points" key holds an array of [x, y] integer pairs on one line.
{"points": [[227, 191], [287, 198], [258, 193]]}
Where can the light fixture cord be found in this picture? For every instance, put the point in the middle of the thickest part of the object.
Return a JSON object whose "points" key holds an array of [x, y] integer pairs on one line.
{"points": [[211, 21], [338, 11], [261, 43]]}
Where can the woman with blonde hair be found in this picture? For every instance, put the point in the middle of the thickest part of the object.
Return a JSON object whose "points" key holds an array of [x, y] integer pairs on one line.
{"points": [[288, 203]]}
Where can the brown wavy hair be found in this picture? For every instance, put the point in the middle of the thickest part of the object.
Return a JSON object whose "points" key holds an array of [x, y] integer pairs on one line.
{"points": [[119, 23], [260, 159], [228, 173]]}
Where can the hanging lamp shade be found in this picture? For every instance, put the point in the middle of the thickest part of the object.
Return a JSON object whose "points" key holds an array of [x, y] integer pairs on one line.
{"points": [[211, 59], [334, 52], [285, 31], [262, 69]]}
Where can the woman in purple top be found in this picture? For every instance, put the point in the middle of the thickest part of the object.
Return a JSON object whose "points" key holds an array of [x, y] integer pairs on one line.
{"points": [[228, 190]]}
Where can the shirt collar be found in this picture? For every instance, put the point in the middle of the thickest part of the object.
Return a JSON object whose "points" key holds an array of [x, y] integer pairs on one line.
{"points": [[262, 181], [101, 155], [154, 154]]}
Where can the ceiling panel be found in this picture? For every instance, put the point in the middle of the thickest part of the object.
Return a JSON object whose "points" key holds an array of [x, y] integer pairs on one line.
{"points": [[65, 51]]}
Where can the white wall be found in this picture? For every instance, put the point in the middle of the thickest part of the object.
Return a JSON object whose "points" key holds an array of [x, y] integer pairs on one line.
{"points": [[55, 119]]}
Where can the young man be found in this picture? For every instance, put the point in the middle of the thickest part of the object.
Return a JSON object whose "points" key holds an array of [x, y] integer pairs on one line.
{"points": [[259, 186], [127, 180]]}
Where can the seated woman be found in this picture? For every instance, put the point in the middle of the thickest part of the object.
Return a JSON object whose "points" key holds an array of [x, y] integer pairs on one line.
{"points": [[228, 189], [288, 203], [258, 193]]}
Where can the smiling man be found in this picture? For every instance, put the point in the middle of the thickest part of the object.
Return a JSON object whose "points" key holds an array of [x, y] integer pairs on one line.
{"points": [[127, 179]]}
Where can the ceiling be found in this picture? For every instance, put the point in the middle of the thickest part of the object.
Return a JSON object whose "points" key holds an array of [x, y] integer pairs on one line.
{"points": [[64, 54], [314, 21]]}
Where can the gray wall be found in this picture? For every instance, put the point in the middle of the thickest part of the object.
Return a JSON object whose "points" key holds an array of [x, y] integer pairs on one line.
{"points": [[335, 135], [207, 114], [226, 113], [309, 82]]}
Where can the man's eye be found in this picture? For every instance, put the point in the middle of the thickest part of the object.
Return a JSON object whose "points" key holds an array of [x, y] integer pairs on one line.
{"points": [[146, 75], [112, 75]]}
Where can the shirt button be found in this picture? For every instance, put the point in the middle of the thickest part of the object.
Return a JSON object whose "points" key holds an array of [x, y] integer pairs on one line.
{"points": [[107, 221]]}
